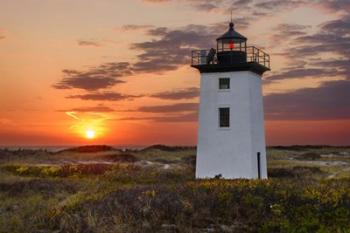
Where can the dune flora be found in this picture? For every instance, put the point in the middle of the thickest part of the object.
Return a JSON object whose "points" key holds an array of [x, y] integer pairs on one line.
{"points": [[154, 190], [244, 206]]}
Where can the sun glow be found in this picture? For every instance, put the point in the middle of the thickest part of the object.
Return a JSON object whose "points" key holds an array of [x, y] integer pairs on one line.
{"points": [[89, 126], [90, 134]]}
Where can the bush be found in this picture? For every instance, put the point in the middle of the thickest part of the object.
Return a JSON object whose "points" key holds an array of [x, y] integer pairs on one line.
{"points": [[240, 205], [59, 171], [309, 156], [122, 158], [294, 172]]}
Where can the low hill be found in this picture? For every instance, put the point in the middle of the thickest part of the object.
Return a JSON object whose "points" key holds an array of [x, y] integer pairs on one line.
{"points": [[89, 149], [167, 148]]}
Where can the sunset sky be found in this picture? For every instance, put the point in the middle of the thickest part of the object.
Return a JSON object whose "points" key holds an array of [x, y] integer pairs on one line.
{"points": [[118, 71]]}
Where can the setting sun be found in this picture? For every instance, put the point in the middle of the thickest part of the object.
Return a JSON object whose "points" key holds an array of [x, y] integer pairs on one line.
{"points": [[90, 134]]}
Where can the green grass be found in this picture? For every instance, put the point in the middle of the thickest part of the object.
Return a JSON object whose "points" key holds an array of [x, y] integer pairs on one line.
{"points": [[155, 191]]}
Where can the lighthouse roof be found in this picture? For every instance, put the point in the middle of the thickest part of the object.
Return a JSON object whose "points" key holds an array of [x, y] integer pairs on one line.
{"points": [[232, 34]]}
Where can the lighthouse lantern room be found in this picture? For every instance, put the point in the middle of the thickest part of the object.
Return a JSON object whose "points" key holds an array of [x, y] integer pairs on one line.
{"points": [[231, 137]]}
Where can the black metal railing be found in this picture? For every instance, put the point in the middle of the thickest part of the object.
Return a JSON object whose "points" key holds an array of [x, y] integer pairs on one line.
{"points": [[253, 55], [257, 55]]}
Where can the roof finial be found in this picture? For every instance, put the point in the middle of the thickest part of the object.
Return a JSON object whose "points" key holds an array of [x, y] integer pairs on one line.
{"points": [[231, 23]]}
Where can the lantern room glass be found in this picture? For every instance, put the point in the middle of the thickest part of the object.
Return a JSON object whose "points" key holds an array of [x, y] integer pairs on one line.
{"points": [[227, 45]]}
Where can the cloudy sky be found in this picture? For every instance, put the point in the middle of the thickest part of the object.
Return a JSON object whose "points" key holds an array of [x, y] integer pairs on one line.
{"points": [[121, 68]]}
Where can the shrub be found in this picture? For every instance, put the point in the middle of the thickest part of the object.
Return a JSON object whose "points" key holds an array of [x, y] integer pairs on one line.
{"points": [[122, 158], [309, 156], [59, 171], [294, 172]]}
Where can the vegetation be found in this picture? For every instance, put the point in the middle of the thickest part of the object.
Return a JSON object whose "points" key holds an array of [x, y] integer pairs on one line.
{"points": [[154, 190]]}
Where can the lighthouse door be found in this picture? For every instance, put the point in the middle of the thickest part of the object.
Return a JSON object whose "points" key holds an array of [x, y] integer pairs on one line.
{"points": [[259, 161]]}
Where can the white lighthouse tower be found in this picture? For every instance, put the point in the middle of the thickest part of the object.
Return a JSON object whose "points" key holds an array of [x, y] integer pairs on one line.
{"points": [[231, 137]]}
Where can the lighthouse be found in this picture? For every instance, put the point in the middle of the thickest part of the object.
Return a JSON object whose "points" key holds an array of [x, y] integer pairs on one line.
{"points": [[231, 135]]}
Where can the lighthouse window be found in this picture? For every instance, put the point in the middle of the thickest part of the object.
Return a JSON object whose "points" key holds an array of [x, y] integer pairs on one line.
{"points": [[224, 117], [224, 83]]}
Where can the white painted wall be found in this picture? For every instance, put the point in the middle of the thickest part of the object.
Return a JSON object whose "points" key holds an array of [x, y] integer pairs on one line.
{"points": [[231, 152]]}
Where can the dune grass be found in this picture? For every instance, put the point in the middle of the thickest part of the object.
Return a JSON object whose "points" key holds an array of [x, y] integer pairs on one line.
{"points": [[154, 190]]}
